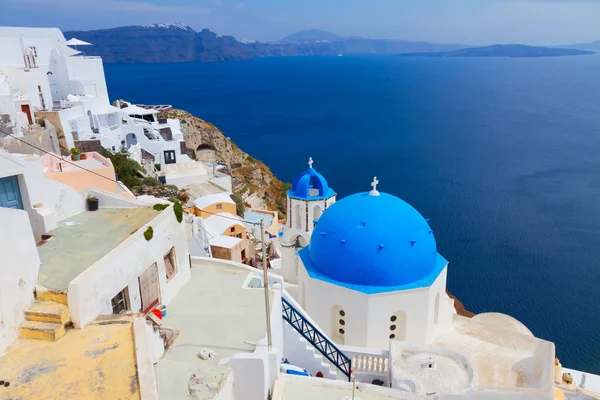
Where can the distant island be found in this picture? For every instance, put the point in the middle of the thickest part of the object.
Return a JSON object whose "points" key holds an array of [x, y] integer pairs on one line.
{"points": [[179, 43], [504, 50], [157, 43]]}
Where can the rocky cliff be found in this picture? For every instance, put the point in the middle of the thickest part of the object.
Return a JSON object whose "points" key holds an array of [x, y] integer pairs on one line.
{"points": [[252, 179]]}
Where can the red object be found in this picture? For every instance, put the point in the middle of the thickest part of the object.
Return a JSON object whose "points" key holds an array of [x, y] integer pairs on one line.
{"points": [[319, 374], [157, 313]]}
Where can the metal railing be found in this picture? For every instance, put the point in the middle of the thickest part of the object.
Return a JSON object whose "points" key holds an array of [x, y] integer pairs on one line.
{"points": [[325, 346]]}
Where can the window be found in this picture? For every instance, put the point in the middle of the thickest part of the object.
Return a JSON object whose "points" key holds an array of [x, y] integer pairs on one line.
{"points": [[339, 324], [398, 325], [219, 206], [34, 50], [239, 236], [170, 264], [232, 229], [119, 302]]}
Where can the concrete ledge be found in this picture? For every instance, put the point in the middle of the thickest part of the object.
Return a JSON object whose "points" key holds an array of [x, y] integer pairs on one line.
{"points": [[145, 368]]}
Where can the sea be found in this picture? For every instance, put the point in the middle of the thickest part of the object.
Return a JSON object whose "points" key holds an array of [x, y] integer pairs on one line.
{"points": [[502, 154]]}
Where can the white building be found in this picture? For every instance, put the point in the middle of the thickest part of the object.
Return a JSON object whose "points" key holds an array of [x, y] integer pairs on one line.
{"points": [[41, 77], [80, 264]]}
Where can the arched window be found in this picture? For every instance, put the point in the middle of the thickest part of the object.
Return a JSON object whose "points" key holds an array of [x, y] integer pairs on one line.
{"points": [[130, 139], [91, 118], [298, 217], [316, 213], [436, 310], [338, 324], [398, 325]]}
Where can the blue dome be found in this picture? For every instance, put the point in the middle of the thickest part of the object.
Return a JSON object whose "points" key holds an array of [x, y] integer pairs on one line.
{"points": [[373, 241], [310, 185]]}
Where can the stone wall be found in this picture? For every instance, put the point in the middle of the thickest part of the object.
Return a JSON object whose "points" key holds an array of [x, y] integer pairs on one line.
{"points": [[86, 146]]}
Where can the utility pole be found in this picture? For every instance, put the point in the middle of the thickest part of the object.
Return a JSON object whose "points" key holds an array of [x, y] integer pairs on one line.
{"points": [[266, 282]]}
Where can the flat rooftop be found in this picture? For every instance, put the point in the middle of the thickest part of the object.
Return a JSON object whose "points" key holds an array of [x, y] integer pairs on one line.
{"points": [[499, 347], [88, 163], [211, 311], [227, 242], [255, 217], [97, 362], [198, 189], [80, 241]]}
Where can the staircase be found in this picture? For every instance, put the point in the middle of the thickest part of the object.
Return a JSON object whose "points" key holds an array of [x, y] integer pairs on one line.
{"points": [[300, 352], [45, 319], [314, 341]]}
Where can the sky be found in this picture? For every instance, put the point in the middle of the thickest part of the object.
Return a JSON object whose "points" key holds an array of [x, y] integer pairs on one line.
{"points": [[473, 22]]}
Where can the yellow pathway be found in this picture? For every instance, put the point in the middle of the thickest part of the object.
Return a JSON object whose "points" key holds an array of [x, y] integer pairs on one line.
{"points": [[97, 362]]}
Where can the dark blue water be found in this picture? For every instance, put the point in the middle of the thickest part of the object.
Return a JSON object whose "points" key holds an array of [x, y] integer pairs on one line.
{"points": [[502, 154]]}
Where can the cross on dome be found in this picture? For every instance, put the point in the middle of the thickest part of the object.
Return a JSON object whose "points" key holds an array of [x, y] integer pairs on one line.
{"points": [[310, 162], [374, 184]]}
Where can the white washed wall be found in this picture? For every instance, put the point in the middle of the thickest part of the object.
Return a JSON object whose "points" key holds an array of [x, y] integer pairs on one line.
{"points": [[91, 292], [19, 268]]}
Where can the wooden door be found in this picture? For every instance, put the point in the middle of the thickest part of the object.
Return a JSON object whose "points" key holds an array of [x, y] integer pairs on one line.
{"points": [[149, 288], [27, 110], [10, 195]]}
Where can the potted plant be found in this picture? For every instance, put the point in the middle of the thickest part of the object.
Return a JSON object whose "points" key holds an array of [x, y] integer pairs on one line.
{"points": [[83, 156], [92, 203], [75, 154]]}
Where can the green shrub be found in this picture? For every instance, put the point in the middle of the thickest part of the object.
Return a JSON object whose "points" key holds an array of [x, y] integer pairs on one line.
{"points": [[251, 159], [160, 207], [178, 210], [125, 167], [149, 233], [150, 182], [240, 208]]}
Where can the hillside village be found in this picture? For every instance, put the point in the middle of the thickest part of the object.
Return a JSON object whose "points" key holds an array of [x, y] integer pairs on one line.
{"points": [[148, 257]]}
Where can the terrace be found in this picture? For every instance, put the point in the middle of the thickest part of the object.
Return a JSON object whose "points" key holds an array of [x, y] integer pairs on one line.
{"points": [[80, 241]]}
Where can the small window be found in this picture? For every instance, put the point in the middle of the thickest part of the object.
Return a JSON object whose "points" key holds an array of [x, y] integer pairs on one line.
{"points": [[342, 331], [239, 236], [393, 318], [219, 206], [392, 336], [119, 302], [232, 229], [342, 313], [170, 264], [342, 322]]}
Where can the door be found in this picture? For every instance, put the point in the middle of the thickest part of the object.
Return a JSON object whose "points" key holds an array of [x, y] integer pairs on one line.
{"points": [[149, 288], [10, 195], [27, 110], [170, 157]]}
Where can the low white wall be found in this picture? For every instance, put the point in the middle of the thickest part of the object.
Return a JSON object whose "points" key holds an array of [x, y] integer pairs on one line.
{"points": [[251, 376], [143, 357], [91, 292], [19, 268]]}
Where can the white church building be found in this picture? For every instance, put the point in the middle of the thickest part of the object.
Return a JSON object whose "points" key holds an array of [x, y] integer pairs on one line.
{"points": [[367, 271]]}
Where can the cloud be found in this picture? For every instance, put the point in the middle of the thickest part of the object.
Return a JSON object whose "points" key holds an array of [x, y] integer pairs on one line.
{"points": [[114, 5]]}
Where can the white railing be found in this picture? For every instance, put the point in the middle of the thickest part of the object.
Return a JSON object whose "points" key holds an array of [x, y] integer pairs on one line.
{"points": [[368, 360]]}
